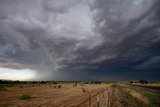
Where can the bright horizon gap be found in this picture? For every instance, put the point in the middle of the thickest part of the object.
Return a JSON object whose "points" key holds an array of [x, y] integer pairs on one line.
{"points": [[13, 74]]}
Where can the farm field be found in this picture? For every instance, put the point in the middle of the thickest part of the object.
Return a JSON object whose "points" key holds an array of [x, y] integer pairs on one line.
{"points": [[77, 94]]}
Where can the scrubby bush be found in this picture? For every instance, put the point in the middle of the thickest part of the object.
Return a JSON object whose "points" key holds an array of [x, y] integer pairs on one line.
{"points": [[2, 88], [20, 86], [54, 86], [131, 82], [43, 82], [55, 82], [114, 84], [75, 84], [59, 86], [82, 83], [25, 97], [143, 81], [33, 85]]}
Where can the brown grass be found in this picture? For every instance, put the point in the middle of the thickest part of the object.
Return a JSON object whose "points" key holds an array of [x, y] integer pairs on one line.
{"points": [[138, 95]]}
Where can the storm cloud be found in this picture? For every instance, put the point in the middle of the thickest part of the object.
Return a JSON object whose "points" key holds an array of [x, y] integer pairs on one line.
{"points": [[81, 39]]}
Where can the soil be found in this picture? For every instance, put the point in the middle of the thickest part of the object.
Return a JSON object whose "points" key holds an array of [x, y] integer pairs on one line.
{"points": [[47, 95]]}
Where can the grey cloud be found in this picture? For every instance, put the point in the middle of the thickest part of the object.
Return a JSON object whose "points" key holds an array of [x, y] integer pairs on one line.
{"points": [[57, 6], [129, 38], [49, 36], [117, 19], [29, 40], [152, 63]]}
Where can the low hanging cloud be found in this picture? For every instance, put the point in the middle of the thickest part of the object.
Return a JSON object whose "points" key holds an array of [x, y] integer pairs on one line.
{"points": [[78, 39]]}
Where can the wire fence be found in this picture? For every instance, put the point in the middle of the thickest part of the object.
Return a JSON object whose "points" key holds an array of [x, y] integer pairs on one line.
{"points": [[94, 98]]}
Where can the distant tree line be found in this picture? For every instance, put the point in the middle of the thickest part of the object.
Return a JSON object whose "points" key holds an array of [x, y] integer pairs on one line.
{"points": [[142, 81], [27, 82], [52, 82]]}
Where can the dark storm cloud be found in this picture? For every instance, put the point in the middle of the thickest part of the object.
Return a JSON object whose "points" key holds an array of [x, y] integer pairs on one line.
{"points": [[83, 40], [131, 29], [28, 42], [152, 63], [131, 32]]}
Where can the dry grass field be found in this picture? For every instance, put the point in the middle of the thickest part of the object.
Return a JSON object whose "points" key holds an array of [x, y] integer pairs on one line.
{"points": [[78, 95]]}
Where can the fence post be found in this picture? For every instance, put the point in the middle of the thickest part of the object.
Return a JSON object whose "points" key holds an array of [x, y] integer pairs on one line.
{"points": [[97, 100], [103, 93], [89, 98], [108, 99]]}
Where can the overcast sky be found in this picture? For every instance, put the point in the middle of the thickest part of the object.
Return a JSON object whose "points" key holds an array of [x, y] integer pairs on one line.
{"points": [[79, 39]]}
